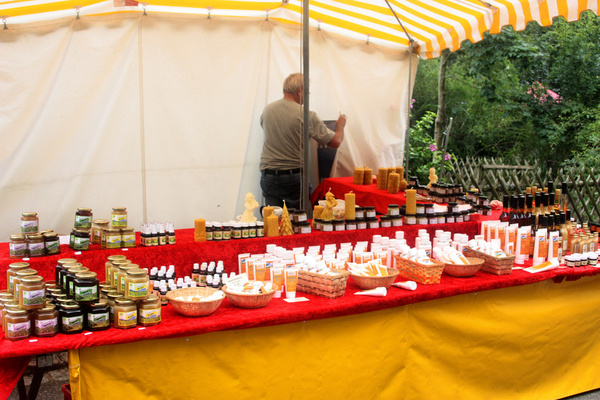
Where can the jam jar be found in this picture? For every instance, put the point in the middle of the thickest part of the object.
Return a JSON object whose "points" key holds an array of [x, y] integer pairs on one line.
{"points": [[35, 246], [97, 316], [70, 318], [86, 288], [63, 272], [51, 243], [70, 278], [81, 240], [83, 218]]}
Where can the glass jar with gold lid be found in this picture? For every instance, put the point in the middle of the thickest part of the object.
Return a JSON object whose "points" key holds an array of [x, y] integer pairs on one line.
{"points": [[121, 274], [110, 301], [127, 237], [125, 314], [17, 324], [29, 222], [32, 292], [114, 269], [70, 279], [36, 246], [149, 311], [45, 321], [17, 247], [62, 274], [8, 305], [17, 280], [112, 238], [59, 266], [83, 218], [97, 226], [119, 217], [86, 288], [108, 264], [6, 298], [12, 272], [97, 316], [70, 317], [51, 243], [137, 284]]}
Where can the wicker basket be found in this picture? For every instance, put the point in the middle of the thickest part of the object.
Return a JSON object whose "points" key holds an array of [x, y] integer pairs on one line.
{"points": [[194, 308], [372, 282], [491, 264], [426, 274], [249, 300], [464, 270], [330, 286]]}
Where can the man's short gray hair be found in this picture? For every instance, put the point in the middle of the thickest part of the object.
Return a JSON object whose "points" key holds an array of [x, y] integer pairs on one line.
{"points": [[293, 83]]}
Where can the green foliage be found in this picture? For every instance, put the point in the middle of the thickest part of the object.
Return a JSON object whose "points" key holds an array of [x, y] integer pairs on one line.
{"points": [[498, 95], [422, 150]]}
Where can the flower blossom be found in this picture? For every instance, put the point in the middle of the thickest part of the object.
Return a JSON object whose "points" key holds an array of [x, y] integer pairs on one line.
{"points": [[447, 157], [432, 147]]}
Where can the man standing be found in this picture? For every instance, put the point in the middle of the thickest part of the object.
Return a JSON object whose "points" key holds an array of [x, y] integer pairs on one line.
{"points": [[282, 156]]}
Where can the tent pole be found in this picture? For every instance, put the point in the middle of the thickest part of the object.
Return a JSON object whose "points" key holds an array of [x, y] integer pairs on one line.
{"points": [[305, 201]]}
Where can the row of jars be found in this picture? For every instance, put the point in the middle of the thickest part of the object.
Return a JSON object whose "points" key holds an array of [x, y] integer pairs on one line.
{"points": [[107, 238], [234, 230], [34, 244]]}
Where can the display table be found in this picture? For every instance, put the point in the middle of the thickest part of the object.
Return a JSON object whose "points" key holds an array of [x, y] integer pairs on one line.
{"points": [[408, 342], [366, 195]]}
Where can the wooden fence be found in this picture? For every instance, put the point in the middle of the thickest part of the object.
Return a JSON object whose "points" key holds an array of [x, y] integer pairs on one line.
{"points": [[495, 178]]}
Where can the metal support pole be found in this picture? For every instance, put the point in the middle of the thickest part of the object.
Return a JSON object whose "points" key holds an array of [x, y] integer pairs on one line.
{"points": [[305, 200]]}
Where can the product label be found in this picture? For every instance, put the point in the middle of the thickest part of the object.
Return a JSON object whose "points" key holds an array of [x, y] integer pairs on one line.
{"points": [[46, 326], [86, 293], [81, 243], [113, 241], [127, 318], [53, 247], [29, 226], [18, 249], [137, 289], [83, 221], [149, 316], [36, 249], [172, 239], [70, 324], [11, 284], [128, 240], [119, 220], [98, 320], [34, 297], [18, 330]]}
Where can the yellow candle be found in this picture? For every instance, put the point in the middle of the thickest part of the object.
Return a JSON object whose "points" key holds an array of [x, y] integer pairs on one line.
{"points": [[199, 230], [382, 178], [267, 211], [318, 211], [272, 226], [411, 201], [350, 206], [368, 176], [359, 174], [393, 183]]}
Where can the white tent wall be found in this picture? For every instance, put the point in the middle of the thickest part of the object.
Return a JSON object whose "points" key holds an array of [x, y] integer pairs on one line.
{"points": [[160, 113]]}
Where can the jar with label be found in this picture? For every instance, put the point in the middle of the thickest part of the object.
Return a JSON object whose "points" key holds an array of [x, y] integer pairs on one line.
{"points": [[45, 321], [110, 301], [393, 209], [70, 279], [12, 272], [217, 228], [372, 222], [17, 325], [370, 212], [260, 229], [86, 288], [149, 311], [422, 219], [317, 224], [17, 246], [429, 209], [97, 316], [236, 232], [51, 243], [251, 230], [326, 226], [304, 227], [359, 213], [83, 218], [299, 216], [81, 240], [127, 237], [350, 224], [431, 219], [338, 225], [97, 226], [245, 230], [209, 230], [385, 221], [5, 298], [125, 314], [112, 238], [29, 222], [410, 219], [137, 284], [17, 280], [32, 292], [119, 217], [62, 273], [450, 218], [35, 246], [361, 223], [114, 269], [108, 264], [420, 209], [7, 306], [70, 318], [121, 275]]}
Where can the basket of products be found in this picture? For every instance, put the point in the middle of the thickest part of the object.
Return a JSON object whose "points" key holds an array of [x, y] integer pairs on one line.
{"points": [[426, 274], [371, 282], [330, 285], [464, 270], [195, 302], [251, 299], [493, 265]]}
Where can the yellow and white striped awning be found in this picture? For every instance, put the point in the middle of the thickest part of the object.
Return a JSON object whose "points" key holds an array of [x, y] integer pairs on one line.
{"points": [[431, 25]]}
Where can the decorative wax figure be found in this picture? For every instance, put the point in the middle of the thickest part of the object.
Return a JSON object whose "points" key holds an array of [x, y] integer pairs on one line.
{"points": [[433, 178], [251, 204], [330, 202], [282, 154]]}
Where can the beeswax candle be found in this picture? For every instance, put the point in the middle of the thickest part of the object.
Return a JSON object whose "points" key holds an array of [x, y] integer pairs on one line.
{"points": [[411, 201], [382, 178], [393, 183], [318, 211], [266, 211], [367, 176], [199, 230], [350, 206], [359, 174], [272, 226]]}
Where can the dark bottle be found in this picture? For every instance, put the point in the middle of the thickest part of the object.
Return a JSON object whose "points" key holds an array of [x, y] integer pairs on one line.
{"points": [[513, 217], [528, 209], [505, 208], [521, 200]]}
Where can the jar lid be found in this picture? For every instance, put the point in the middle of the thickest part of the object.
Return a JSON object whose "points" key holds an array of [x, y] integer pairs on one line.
{"points": [[27, 272], [71, 305], [123, 301], [84, 209], [32, 279], [29, 214], [6, 296], [35, 237], [115, 257], [17, 312], [17, 236], [66, 260], [50, 235], [137, 271], [119, 263], [82, 231], [126, 267], [75, 270], [86, 275], [47, 308], [428, 205], [127, 229], [72, 265], [100, 221], [119, 208], [13, 305], [99, 303], [113, 295], [18, 265], [392, 205], [151, 299]]}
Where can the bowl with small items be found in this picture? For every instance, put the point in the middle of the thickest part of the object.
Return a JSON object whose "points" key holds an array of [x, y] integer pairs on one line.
{"points": [[253, 294], [195, 302], [384, 277], [464, 270]]}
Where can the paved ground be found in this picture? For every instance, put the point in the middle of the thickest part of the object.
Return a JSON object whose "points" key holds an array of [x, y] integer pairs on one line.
{"points": [[58, 375]]}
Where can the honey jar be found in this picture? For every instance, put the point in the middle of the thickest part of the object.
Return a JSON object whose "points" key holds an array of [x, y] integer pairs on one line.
{"points": [[97, 316], [125, 314], [12, 272], [62, 274], [60, 266], [108, 264], [51, 243], [149, 311], [17, 324], [45, 321], [17, 280], [32, 292], [35, 246], [114, 269], [29, 222], [97, 226], [112, 238], [136, 284], [120, 276], [70, 279], [119, 217], [17, 247], [127, 237]]}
